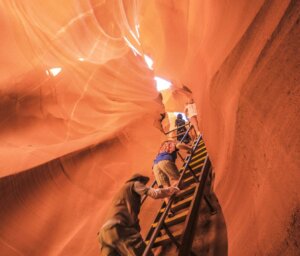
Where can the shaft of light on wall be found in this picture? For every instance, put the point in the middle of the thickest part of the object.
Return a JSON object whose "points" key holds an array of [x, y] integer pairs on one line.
{"points": [[149, 62], [162, 84], [54, 71]]}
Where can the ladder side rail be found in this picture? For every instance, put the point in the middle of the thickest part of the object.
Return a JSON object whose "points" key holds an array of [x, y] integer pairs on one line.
{"points": [[171, 235], [186, 164], [158, 227], [186, 133], [194, 148], [191, 220]]}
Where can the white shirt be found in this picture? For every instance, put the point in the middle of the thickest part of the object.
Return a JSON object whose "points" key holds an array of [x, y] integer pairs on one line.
{"points": [[191, 110]]}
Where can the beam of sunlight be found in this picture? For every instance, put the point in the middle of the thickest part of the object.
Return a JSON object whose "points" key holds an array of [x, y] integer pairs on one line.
{"points": [[162, 84], [137, 27], [135, 51], [54, 71], [148, 61]]}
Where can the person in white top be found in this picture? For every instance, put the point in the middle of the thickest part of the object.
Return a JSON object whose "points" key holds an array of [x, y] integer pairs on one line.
{"points": [[191, 113]]}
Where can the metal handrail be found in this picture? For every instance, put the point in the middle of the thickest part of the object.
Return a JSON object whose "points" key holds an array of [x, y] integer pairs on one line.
{"points": [[168, 206], [186, 133], [175, 129]]}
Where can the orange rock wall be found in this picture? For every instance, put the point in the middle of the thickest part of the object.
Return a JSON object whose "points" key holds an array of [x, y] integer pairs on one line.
{"points": [[68, 142]]}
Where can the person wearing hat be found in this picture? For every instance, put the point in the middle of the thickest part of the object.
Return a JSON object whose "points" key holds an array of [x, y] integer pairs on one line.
{"points": [[120, 234]]}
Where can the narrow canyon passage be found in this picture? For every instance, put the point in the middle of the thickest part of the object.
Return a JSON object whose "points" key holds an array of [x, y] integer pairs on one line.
{"points": [[79, 103]]}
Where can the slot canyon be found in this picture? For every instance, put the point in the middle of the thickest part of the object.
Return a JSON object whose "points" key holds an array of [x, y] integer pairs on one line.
{"points": [[79, 104]]}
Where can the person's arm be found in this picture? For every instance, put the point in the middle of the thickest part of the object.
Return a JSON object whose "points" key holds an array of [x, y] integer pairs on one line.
{"points": [[157, 193], [183, 146], [142, 189]]}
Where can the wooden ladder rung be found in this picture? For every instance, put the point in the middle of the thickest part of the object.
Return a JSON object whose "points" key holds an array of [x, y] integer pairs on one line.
{"points": [[186, 182], [184, 192], [165, 238], [178, 218], [198, 155], [192, 163], [180, 204]]}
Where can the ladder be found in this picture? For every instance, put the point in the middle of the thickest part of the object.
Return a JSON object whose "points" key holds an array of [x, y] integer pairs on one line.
{"points": [[179, 228]]}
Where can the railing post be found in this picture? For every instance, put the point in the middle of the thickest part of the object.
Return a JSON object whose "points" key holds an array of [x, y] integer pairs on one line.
{"points": [[186, 134], [193, 173]]}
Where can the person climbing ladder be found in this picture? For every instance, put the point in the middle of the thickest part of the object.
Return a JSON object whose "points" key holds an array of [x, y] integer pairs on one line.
{"points": [[164, 168], [120, 234]]}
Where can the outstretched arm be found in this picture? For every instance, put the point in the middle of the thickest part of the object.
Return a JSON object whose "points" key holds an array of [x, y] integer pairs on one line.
{"points": [[162, 192], [155, 193], [183, 146]]}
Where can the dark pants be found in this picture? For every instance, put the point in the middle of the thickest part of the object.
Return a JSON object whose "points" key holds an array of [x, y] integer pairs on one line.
{"points": [[121, 241], [179, 137]]}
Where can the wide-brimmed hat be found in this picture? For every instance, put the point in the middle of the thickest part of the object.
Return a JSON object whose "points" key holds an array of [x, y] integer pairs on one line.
{"points": [[139, 177]]}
